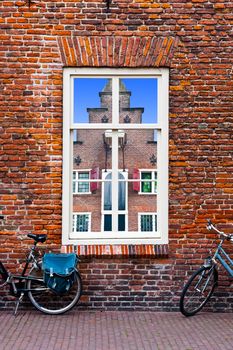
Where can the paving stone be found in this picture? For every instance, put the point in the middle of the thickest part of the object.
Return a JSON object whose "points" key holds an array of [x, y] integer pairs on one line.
{"points": [[116, 330]]}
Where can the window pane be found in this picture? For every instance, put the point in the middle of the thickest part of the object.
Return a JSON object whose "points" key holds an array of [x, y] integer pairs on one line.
{"points": [[107, 222], [92, 100], [155, 222], [108, 193], [121, 193], [141, 164], [74, 181], [88, 162], [80, 222], [121, 222], [146, 223], [138, 100], [83, 186], [146, 185], [155, 182]]}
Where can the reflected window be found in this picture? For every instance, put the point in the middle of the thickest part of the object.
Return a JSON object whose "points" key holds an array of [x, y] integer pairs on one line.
{"points": [[81, 222], [148, 222], [79, 183], [107, 202], [108, 222], [148, 182], [108, 193]]}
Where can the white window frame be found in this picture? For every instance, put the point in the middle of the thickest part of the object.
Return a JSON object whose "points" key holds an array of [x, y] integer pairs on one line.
{"points": [[152, 171], [153, 220], [114, 237], [77, 181]]}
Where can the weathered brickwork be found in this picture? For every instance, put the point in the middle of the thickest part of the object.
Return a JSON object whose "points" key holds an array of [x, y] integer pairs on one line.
{"points": [[192, 38]]}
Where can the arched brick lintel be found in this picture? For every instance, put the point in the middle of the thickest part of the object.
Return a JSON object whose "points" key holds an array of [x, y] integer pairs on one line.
{"points": [[117, 51]]}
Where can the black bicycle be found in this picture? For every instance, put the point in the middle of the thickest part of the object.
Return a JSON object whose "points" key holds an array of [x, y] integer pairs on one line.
{"points": [[200, 286], [45, 298]]}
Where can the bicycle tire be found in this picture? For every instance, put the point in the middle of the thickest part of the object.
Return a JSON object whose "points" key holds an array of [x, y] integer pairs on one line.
{"points": [[48, 301], [3, 275], [198, 290]]}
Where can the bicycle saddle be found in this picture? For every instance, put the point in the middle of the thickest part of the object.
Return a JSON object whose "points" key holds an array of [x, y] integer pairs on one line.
{"points": [[38, 238]]}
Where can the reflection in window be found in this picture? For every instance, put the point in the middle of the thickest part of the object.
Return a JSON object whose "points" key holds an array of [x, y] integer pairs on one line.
{"points": [[151, 185], [148, 222], [140, 97], [81, 222], [108, 222], [81, 186], [108, 193], [146, 185], [92, 100], [107, 205]]}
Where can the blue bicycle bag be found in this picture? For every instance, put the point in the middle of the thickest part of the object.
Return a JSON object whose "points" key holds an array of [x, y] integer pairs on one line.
{"points": [[59, 271]]}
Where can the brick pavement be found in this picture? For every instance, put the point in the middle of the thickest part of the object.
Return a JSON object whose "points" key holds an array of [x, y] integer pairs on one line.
{"points": [[116, 330]]}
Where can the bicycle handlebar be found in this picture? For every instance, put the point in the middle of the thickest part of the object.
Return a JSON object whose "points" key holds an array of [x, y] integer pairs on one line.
{"points": [[210, 227]]}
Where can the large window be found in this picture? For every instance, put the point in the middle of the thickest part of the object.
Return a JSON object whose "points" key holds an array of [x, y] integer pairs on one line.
{"points": [[115, 156]]}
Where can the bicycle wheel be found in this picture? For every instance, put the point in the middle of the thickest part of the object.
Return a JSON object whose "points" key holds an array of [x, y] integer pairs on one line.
{"points": [[46, 300], [198, 290]]}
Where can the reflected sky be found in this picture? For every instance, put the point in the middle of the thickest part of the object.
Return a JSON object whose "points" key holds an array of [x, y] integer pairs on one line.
{"points": [[144, 93]]}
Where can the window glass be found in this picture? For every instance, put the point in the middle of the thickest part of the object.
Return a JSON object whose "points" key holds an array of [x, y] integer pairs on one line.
{"points": [[148, 222], [155, 182], [146, 185], [138, 100], [149, 186], [108, 193], [81, 222], [79, 185], [92, 100], [121, 222], [83, 186], [107, 222]]}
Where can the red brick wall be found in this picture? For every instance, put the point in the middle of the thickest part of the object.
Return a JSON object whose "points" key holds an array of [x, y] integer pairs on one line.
{"points": [[193, 40]]}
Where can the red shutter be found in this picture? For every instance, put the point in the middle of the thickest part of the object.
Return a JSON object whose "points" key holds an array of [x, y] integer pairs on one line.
{"points": [[136, 184], [95, 172]]}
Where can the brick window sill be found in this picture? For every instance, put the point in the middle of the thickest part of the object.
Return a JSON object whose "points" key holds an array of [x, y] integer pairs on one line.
{"points": [[113, 251]]}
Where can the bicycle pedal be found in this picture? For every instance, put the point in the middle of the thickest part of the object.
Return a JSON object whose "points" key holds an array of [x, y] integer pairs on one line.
{"points": [[18, 301]]}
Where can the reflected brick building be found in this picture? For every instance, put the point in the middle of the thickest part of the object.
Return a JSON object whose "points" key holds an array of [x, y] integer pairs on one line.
{"points": [[92, 155]]}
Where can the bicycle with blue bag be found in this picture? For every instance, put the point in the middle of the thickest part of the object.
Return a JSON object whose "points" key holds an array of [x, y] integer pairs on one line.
{"points": [[53, 283], [201, 285]]}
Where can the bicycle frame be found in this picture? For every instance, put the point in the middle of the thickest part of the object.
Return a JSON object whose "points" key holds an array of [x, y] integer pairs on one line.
{"points": [[227, 263], [15, 280]]}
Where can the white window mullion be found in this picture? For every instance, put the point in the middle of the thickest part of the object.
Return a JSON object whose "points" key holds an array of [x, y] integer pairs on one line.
{"points": [[162, 154], [115, 120], [115, 183]]}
